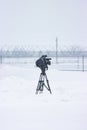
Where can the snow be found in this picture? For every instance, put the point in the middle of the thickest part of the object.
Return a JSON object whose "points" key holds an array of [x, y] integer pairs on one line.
{"points": [[22, 109]]}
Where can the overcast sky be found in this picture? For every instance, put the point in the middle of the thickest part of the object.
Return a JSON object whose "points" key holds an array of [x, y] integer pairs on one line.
{"points": [[39, 22]]}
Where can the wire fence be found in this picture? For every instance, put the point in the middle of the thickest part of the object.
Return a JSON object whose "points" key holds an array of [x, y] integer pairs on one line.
{"points": [[72, 63], [63, 63]]}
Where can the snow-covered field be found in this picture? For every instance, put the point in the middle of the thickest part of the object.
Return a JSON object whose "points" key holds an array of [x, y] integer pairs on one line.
{"points": [[22, 109]]}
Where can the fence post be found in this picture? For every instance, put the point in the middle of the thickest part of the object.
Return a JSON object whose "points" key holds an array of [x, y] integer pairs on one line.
{"points": [[77, 62], [56, 50], [0, 59], [83, 63]]}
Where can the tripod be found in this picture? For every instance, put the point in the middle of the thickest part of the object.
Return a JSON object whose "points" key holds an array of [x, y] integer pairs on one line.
{"points": [[41, 83]]}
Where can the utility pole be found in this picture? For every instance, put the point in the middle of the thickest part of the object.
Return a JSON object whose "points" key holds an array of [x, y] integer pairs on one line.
{"points": [[56, 50]]}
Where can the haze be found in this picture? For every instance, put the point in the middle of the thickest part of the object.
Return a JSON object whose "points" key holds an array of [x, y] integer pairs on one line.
{"points": [[38, 22]]}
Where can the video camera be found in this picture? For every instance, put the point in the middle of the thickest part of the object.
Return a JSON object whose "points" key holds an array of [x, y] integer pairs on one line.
{"points": [[43, 63]]}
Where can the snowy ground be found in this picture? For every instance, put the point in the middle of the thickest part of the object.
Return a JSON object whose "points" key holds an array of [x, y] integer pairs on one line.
{"points": [[21, 109]]}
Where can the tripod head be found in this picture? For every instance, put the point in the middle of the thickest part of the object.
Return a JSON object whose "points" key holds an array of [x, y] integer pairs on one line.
{"points": [[43, 63]]}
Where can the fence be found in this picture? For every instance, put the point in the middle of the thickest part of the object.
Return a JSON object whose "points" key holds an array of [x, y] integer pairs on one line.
{"points": [[72, 63], [64, 63]]}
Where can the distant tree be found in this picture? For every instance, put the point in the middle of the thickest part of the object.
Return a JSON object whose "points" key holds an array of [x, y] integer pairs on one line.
{"points": [[74, 50], [40, 53]]}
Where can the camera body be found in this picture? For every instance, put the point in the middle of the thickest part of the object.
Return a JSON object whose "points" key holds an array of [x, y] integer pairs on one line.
{"points": [[43, 63]]}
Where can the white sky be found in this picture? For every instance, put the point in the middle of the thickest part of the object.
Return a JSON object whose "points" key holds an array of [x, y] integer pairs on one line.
{"points": [[37, 23]]}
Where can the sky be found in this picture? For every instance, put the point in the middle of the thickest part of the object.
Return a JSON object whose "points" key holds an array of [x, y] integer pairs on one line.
{"points": [[37, 23]]}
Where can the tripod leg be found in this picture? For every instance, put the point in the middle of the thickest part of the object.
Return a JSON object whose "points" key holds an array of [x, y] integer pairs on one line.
{"points": [[37, 88], [40, 84], [48, 83]]}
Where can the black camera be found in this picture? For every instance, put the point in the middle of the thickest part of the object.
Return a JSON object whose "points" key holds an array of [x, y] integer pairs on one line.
{"points": [[43, 63]]}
